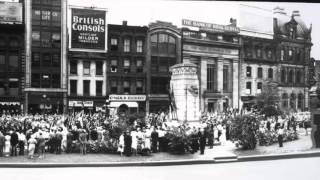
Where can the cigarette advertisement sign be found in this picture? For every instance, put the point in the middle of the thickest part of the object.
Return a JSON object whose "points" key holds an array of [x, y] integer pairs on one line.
{"points": [[88, 29]]}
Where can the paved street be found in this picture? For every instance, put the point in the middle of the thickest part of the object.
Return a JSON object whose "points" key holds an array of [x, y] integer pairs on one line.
{"points": [[293, 169]]}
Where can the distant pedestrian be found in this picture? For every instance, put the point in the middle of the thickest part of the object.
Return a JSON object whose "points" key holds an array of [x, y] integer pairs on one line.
{"points": [[154, 140], [280, 137], [22, 142], [32, 146], [202, 140], [14, 140], [210, 136], [83, 141], [2, 143], [41, 145]]}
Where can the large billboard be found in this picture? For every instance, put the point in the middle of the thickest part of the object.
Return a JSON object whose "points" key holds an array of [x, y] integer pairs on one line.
{"points": [[88, 30], [10, 12]]}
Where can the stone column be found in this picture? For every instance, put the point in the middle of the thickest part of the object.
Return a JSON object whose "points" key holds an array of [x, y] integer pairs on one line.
{"points": [[220, 81], [64, 56], [28, 30], [235, 83], [203, 83]]}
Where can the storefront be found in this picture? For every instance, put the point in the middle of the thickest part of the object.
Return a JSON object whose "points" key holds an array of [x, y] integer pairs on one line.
{"points": [[45, 102], [88, 105], [128, 104], [10, 108]]}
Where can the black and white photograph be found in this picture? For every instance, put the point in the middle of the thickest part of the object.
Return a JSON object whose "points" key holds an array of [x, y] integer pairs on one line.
{"points": [[159, 89]]}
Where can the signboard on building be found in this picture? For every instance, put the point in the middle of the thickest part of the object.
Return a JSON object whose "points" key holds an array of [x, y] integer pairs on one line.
{"points": [[88, 30], [10, 12], [127, 97], [80, 103], [210, 27]]}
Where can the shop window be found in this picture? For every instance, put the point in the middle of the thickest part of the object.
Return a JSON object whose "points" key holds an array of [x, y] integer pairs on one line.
{"points": [[2, 62], [99, 68], [56, 60], [139, 86], [226, 78], [86, 87], [46, 60], [56, 80], [74, 67], [114, 65], [45, 81], [248, 88], [99, 88], [13, 63], [86, 67], [14, 87], [45, 39], [126, 86], [56, 40], [248, 71], [270, 73], [211, 77], [35, 61], [139, 46], [114, 86], [260, 72], [259, 87], [126, 45], [35, 80], [35, 38], [114, 44], [139, 66], [73, 87], [126, 65]]}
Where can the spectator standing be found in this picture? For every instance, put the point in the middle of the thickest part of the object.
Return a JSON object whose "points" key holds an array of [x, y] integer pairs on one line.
{"points": [[7, 146], [154, 140], [22, 141], [280, 137], [14, 140], [127, 143], [2, 143], [202, 140], [83, 141], [32, 146]]}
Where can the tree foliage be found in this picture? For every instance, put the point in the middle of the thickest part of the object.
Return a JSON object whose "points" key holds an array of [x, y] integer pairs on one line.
{"points": [[269, 99]]}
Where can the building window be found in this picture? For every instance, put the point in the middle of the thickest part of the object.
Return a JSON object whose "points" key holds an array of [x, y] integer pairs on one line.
{"points": [[260, 72], [45, 81], [248, 88], [56, 18], [248, 71], [126, 65], [172, 45], [35, 61], [2, 62], [56, 40], [46, 60], [86, 87], [139, 66], [283, 75], [163, 43], [269, 53], [226, 78], [163, 65], [211, 75], [2, 87], [74, 67], [56, 60], [56, 80], [293, 101], [139, 86], [270, 73], [258, 52], [290, 76], [285, 99], [99, 88], [154, 43], [160, 85], [45, 17], [290, 54], [247, 51], [114, 65], [36, 14], [35, 80], [139, 46], [99, 68], [35, 38], [298, 77], [282, 54], [126, 86], [126, 47], [259, 87], [45, 39], [14, 87], [114, 44], [86, 67], [300, 101], [13, 63], [154, 64], [114, 86], [14, 43], [73, 87]]}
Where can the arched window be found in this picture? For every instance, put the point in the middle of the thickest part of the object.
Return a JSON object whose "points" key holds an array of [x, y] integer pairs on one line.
{"points": [[290, 76], [270, 73], [298, 77], [283, 75], [300, 101], [284, 100], [293, 101]]}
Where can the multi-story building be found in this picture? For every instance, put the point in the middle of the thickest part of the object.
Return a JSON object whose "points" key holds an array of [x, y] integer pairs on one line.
{"points": [[46, 65], [215, 50], [126, 67], [163, 51], [11, 57], [293, 39]]}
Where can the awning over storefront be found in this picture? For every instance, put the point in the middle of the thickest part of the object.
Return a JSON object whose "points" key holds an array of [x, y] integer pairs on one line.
{"points": [[129, 104]]}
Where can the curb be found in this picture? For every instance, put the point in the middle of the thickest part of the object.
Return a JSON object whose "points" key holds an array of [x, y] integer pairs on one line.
{"points": [[217, 160]]}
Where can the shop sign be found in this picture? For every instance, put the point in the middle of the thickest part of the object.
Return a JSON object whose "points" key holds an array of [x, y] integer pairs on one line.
{"points": [[88, 29], [10, 12], [210, 26], [127, 97], [80, 103], [9, 103]]}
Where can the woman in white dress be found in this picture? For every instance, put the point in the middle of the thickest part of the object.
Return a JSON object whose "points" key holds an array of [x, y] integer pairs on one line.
{"points": [[7, 146], [121, 144]]}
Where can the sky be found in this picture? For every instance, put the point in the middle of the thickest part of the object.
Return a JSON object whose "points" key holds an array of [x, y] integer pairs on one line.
{"points": [[141, 13]]}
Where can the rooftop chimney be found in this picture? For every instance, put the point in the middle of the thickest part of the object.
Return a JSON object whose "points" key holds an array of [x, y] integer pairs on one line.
{"points": [[124, 23]]}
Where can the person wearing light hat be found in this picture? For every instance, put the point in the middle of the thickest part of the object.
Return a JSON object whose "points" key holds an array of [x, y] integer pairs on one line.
{"points": [[202, 140]]}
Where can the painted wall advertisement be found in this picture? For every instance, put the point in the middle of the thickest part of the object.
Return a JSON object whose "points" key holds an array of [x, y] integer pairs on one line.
{"points": [[10, 12], [88, 29]]}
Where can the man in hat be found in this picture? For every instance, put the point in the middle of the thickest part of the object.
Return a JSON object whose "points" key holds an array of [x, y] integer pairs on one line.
{"points": [[202, 140], [2, 143], [14, 142]]}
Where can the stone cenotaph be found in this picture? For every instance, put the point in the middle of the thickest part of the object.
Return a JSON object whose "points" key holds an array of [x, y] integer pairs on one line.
{"points": [[184, 90]]}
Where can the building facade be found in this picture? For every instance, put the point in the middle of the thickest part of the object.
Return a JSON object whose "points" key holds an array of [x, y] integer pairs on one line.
{"points": [[293, 40], [163, 51], [126, 67], [12, 57], [216, 53], [46, 65]]}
